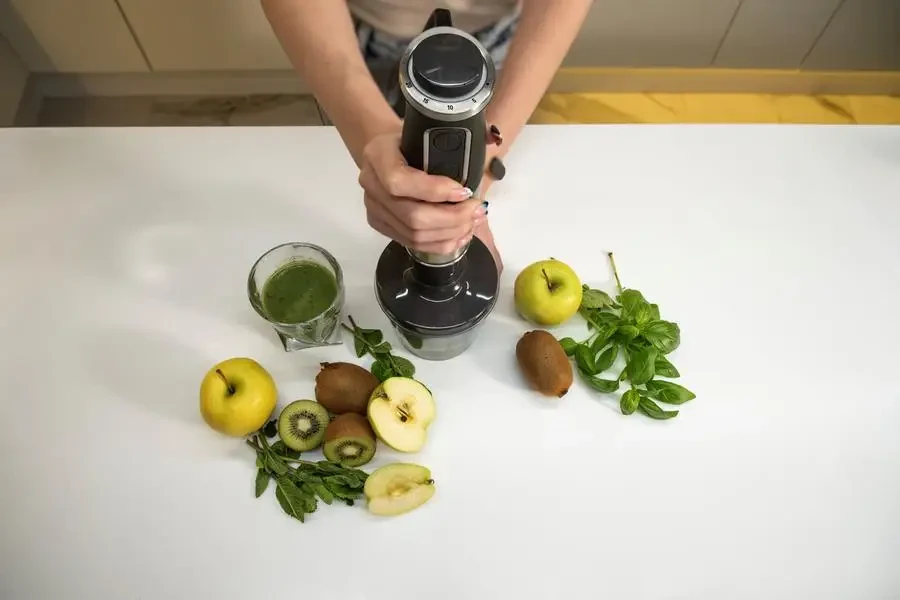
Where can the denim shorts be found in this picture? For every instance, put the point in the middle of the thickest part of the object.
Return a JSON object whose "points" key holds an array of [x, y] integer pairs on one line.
{"points": [[382, 52]]}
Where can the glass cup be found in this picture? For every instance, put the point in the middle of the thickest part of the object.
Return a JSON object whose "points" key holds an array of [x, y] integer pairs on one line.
{"points": [[323, 329]]}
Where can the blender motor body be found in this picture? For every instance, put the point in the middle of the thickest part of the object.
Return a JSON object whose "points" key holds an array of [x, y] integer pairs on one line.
{"points": [[436, 301]]}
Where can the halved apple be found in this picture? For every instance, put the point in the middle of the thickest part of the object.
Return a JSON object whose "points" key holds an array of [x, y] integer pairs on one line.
{"points": [[400, 411], [398, 488]]}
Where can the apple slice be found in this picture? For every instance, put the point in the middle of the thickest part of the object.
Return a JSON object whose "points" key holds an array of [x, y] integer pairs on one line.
{"points": [[398, 488], [400, 411]]}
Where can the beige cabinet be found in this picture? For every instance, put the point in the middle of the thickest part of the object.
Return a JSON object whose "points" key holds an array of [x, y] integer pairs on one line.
{"points": [[205, 35], [71, 36]]}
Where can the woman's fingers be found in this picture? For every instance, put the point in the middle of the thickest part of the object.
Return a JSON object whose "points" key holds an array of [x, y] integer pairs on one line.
{"points": [[442, 241]]}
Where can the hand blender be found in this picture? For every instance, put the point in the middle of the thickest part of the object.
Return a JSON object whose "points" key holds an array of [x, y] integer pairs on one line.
{"points": [[436, 301]]}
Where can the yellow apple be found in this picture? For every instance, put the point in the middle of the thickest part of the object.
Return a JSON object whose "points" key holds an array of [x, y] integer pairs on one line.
{"points": [[398, 488], [237, 396], [400, 411], [547, 292]]}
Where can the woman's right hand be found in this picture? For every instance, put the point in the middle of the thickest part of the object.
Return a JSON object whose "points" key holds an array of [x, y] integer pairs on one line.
{"points": [[407, 205]]}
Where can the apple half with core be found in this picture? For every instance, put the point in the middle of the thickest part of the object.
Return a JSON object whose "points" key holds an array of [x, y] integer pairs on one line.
{"points": [[398, 488], [547, 292], [237, 396], [400, 411]]}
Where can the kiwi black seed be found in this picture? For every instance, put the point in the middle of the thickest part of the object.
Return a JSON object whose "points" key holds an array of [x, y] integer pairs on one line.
{"points": [[302, 424], [349, 440]]}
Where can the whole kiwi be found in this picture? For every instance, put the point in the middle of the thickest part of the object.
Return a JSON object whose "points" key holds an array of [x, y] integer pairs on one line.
{"points": [[343, 387], [544, 363], [349, 440]]}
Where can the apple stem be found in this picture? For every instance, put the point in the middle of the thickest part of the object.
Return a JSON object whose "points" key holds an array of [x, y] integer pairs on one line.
{"points": [[225, 380], [612, 261], [547, 279]]}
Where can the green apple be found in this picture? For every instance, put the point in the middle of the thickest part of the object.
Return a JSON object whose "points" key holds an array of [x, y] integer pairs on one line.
{"points": [[547, 292], [237, 396], [400, 411], [398, 488]]}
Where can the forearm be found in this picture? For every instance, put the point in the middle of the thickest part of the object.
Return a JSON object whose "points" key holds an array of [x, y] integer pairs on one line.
{"points": [[544, 35], [318, 38]]}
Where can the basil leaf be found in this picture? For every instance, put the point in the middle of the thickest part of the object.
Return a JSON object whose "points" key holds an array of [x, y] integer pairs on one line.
{"points": [[585, 359], [627, 332], [403, 367], [669, 392], [654, 312], [664, 368], [629, 402], [381, 369], [652, 410], [607, 358], [631, 301], [640, 367], [262, 482], [606, 386], [642, 314], [664, 335], [568, 345], [594, 298]]}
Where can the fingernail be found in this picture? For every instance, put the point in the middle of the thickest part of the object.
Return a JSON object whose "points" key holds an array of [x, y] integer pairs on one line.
{"points": [[462, 194], [485, 205]]}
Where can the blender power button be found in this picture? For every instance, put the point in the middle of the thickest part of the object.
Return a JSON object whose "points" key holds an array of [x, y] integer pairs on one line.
{"points": [[447, 141]]}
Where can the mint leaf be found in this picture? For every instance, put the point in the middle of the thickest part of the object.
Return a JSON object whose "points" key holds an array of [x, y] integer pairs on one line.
{"points": [[262, 482]]}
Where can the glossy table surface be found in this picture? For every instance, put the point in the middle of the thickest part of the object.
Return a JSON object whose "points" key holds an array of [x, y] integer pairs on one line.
{"points": [[124, 256]]}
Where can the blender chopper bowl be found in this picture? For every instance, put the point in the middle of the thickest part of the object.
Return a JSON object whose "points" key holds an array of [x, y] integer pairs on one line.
{"points": [[436, 301]]}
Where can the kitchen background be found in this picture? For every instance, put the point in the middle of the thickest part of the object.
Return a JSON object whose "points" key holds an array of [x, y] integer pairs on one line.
{"points": [[217, 62]]}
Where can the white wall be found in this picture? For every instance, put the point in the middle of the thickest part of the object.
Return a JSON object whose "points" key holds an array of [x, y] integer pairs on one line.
{"points": [[13, 76]]}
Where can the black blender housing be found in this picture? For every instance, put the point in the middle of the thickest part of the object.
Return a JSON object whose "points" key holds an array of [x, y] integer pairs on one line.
{"points": [[436, 301]]}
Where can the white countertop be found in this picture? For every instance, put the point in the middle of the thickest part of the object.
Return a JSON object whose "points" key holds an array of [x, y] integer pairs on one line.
{"points": [[123, 260]]}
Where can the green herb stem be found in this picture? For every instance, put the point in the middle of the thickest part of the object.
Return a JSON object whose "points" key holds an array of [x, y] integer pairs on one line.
{"points": [[612, 262]]}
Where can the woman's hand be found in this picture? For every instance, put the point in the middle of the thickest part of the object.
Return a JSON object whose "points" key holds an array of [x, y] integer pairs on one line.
{"points": [[407, 205]]}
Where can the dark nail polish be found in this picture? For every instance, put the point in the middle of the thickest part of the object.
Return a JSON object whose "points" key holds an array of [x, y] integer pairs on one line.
{"points": [[485, 204]]}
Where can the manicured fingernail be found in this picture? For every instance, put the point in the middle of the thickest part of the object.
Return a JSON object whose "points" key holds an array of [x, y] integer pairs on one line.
{"points": [[462, 194], [485, 206]]}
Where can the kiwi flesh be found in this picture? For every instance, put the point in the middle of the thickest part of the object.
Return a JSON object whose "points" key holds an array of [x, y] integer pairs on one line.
{"points": [[343, 387], [544, 363], [349, 440], [302, 424]]}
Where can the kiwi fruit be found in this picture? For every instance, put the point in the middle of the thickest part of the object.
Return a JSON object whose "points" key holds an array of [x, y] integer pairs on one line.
{"points": [[301, 425], [544, 363], [349, 440], [343, 387]]}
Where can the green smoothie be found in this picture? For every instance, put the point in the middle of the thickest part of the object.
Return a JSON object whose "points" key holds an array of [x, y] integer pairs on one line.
{"points": [[298, 292]]}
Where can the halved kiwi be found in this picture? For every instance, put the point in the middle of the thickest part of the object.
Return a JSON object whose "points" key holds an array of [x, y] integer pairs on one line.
{"points": [[301, 425], [349, 440]]}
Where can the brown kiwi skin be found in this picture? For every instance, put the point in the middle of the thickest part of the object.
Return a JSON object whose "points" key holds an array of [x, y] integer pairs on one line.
{"points": [[343, 387], [349, 425], [544, 363]]}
